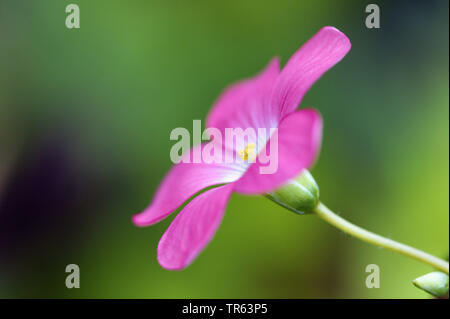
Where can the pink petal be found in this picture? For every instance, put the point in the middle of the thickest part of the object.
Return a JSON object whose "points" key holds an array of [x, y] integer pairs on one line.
{"points": [[299, 138], [193, 228], [246, 104], [183, 181], [313, 59]]}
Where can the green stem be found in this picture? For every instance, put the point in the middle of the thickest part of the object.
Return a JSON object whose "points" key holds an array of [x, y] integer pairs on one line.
{"points": [[327, 215]]}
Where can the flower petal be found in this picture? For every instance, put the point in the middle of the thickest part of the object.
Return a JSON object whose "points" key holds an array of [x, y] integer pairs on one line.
{"points": [[183, 181], [313, 59], [298, 138], [246, 104], [193, 228]]}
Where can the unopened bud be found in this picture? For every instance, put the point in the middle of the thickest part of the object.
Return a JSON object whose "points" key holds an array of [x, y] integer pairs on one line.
{"points": [[435, 283]]}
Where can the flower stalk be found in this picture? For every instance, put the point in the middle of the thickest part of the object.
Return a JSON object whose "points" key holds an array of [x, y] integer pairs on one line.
{"points": [[327, 215], [301, 195]]}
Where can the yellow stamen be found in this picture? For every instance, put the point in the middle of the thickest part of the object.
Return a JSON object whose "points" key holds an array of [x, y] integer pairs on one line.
{"points": [[247, 151]]}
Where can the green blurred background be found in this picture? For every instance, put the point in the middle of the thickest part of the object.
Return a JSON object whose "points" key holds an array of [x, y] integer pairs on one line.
{"points": [[85, 118]]}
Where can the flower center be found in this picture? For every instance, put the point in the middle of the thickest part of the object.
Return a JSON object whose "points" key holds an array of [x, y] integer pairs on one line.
{"points": [[247, 152]]}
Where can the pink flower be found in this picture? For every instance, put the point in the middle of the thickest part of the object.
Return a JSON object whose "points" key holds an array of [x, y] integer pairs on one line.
{"points": [[268, 100]]}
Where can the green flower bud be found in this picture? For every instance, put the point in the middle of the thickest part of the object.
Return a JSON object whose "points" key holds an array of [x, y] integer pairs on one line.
{"points": [[300, 195], [435, 283]]}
